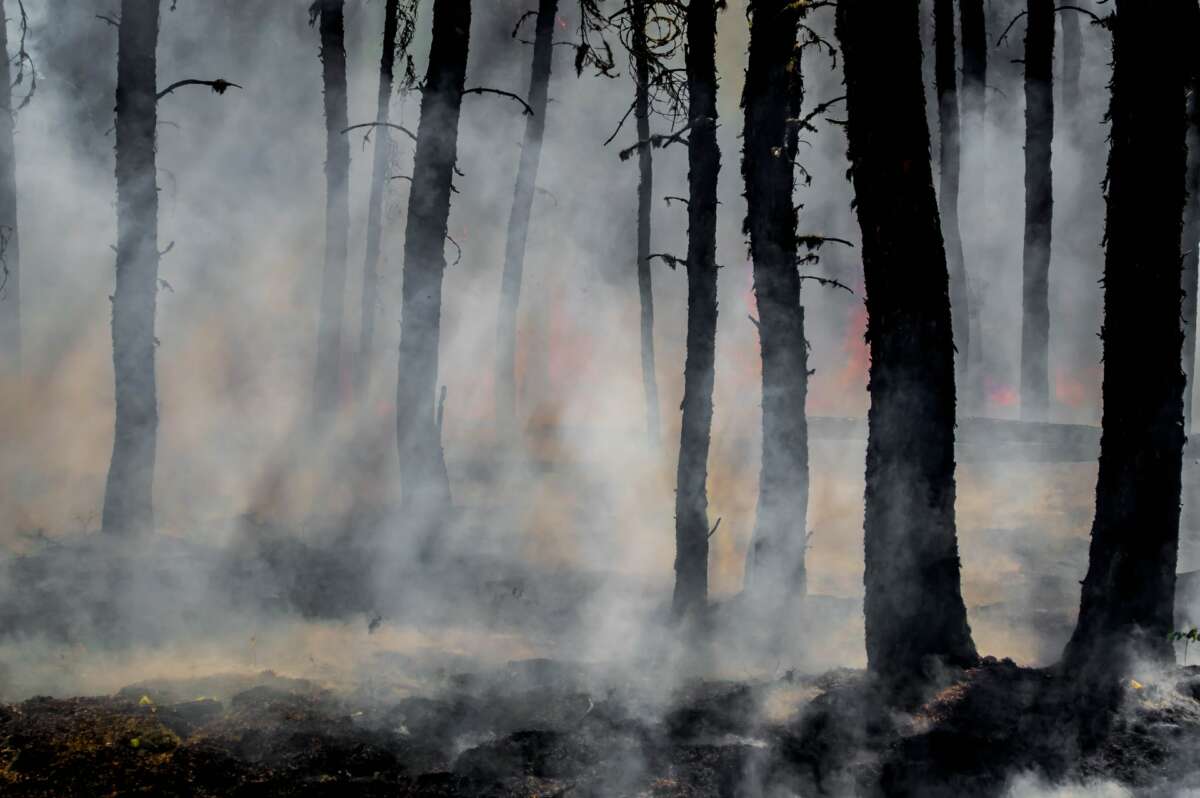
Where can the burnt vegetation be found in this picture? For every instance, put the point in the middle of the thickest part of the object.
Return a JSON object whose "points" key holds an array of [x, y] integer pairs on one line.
{"points": [[881, 487]]}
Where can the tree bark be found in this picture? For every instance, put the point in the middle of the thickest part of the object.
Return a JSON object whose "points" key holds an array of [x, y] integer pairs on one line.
{"points": [[1128, 596], [10, 250], [641, 113], [915, 614], [518, 220], [379, 180], [1072, 63], [425, 488], [128, 504], [328, 379], [773, 95], [704, 162], [946, 79], [1039, 209]]}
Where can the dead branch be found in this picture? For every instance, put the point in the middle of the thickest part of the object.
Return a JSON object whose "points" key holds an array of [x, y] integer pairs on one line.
{"points": [[755, 322], [1096, 20], [668, 199], [457, 247], [829, 282], [1004, 35], [109, 20], [713, 531], [170, 247], [805, 122], [392, 125], [816, 242], [621, 124], [441, 411], [660, 140], [220, 86], [521, 21], [509, 94], [548, 193], [666, 258], [163, 285]]}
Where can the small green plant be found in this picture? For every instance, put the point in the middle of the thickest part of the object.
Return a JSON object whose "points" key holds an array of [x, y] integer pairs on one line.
{"points": [[1187, 637]]}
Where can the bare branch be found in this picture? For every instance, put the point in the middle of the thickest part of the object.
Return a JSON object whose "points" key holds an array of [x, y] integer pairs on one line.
{"points": [[109, 20], [219, 86], [668, 199], [391, 125], [1004, 35], [458, 259], [621, 124], [828, 282], [660, 140], [509, 94], [713, 531], [666, 258]]}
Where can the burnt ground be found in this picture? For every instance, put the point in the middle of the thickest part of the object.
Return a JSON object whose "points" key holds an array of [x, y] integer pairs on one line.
{"points": [[527, 729]]}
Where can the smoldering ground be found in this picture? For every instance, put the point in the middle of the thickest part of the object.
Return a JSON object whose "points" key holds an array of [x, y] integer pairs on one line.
{"points": [[533, 649]]}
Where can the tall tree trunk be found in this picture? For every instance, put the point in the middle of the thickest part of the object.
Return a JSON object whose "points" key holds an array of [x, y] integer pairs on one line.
{"points": [[973, 174], [641, 111], [424, 485], [704, 162], [1039, 208], [914, 608], [379, 180], [518, 220], [10, 250], [1127, 602], [328, 380], [128, 506], [1072, 63], [946, 78], [1191, 227], [773, 95]]}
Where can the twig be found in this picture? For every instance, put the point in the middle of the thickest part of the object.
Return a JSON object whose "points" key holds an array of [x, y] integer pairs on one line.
{"points": [[713, 531], [620, 124], [684, 200], [660, 140], [109, 20], [219, 85], [509, 94], [457, 247], [1004, 35], [666, 258]]}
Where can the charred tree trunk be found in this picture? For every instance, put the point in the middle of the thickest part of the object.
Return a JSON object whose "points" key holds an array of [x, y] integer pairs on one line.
{"points": [[1191, 240], [773, 95], [1191, 224], [1039, 209], [641, 112], [1127, 603], [328, 382], [973, 173], [704, 162], [128, 505], [424, 485], [914, 609], [946, 78], [518, 219], [379, 179], [10, 251]]}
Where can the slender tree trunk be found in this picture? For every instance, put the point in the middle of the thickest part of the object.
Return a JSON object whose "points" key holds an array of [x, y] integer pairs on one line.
{"points": [[424, 485], [973, 175], [518, 220], [1128, 597], [1072, 63], [946, 78], [379, 180], [1039, 209], [10, 250], [704, 161], [641, 112], [914, 608], [128, 505], [773, 95], [328, 382], [1191, 233]]}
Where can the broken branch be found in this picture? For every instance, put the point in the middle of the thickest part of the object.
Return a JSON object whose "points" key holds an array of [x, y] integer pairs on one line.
{"points": [[220, 86]]}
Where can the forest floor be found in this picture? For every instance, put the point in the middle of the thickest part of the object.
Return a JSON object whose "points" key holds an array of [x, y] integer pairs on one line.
{"points": [[538, 728]]}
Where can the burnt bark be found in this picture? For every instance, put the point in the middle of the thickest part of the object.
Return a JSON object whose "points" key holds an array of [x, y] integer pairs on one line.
{"points": [[128, 493], [379, 180], [424, 484], [10, 250], [519, 216], [641, 112], [328, 379], [1127, 601], [773, 95], [915, 614], [1039, 210], [704, 164], [946, 80]]}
